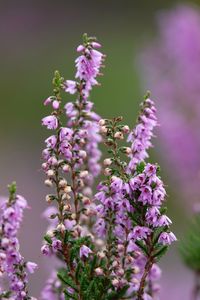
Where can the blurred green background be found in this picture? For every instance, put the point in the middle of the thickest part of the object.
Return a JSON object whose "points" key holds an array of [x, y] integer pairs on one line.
{"points": [[38, 37]]}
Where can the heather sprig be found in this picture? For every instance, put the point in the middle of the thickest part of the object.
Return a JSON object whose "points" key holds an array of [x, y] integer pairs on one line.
{"points": [[109, 244], [13, 265], [130, 213], [73, 152]]}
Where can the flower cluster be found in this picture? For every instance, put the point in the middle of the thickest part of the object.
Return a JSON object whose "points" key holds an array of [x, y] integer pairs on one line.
{"points": [[172, 73], [130, 214], [141, 135], [13, 265], [72, 161]]}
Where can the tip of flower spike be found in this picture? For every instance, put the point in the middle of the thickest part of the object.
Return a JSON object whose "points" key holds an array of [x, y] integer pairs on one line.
{"points": [[147, 95], [12, 189]]}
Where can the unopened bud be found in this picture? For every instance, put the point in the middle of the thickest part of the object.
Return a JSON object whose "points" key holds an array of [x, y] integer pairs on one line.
{"points": [[67, 189], [48, 199], [128, 150], [61, 227], [50, 173], [107, 172], [48, 182], [115, 282], [55, 104], [62, 183], [66, 168], [86, 201], [102, 122], [98, 271], [126, 129], [67, 207], [107, 162], [119, 135], [103, 129], [83, 174], [82, 154]]}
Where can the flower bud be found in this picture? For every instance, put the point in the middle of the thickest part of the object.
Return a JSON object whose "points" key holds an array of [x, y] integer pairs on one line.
{"points": [[102, 122], [128, 150], [45, 166], [62, 183], [83, 174], [48, 182], [119, 135], [82, 154], [86, 201], [53, 161], [115, 282], [107, 172], [67, 207], [120, 272], [48, 199], [61, 227], [126, 129], [98, 271], [107, 162], [50, 173], [103, 129], [66, 168], [67, 189], [55, 104]]}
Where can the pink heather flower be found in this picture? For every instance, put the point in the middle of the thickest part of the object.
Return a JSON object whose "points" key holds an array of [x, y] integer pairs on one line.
{"points": [[139, 233], [85, 251], [31, 266], [141, 135], [51, 141], [65, 134], [48, 101], [50, 121], [70, 86], [116, 184], [57, 245], [55, 104], [80, 48], [69, 224], [164, 221], [167, 238], [152, 215], [46, 250]]}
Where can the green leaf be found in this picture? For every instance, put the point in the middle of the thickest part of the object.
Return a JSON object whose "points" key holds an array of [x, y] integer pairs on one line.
{"points": [[65, 279], [142, 246], [160, 252], [140, 167], [47, 239]]}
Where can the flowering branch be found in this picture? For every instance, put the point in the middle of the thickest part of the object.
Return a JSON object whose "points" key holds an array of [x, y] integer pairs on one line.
{"points": [[13, 265]]}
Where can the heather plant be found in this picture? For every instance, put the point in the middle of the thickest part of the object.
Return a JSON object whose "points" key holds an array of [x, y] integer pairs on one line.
{"points": [[108, 244], [13, 267], [106, 239]]}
